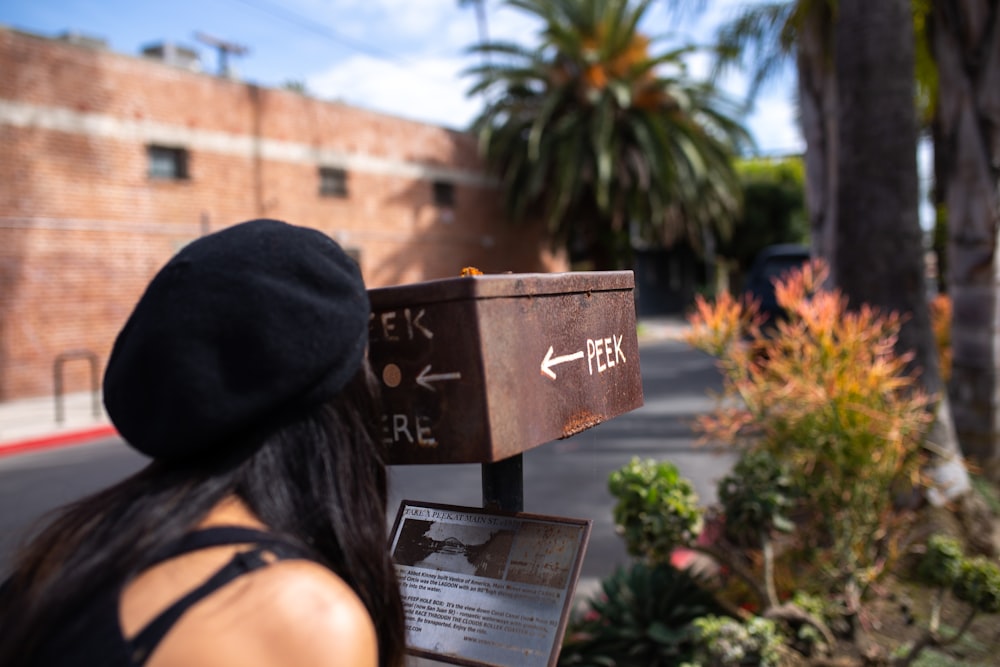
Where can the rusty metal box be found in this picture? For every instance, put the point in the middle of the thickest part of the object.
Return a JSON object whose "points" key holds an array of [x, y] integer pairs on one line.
{"points": [[480, 368]]}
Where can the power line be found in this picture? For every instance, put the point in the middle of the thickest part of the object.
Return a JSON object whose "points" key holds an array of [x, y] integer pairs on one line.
{"points": [[322, 30]]}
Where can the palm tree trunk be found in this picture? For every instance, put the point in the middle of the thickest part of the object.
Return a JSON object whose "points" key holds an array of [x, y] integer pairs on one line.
{"points": [[879, 249], [966, 42], [880, 258], [817, 93]]}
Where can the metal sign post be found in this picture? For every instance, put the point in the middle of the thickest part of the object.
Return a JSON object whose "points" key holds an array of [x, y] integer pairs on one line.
{"points": [[503, 484]]}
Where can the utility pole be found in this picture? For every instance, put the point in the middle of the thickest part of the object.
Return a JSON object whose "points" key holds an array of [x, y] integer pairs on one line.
{"points": [[224, 48]]}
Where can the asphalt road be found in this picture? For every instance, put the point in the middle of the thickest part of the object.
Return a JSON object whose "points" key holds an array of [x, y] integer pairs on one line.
{"points": [[566, 478]]}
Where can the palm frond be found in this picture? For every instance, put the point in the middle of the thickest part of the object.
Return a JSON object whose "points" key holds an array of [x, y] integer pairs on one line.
{"points": [[592, 133], [759, 40]]}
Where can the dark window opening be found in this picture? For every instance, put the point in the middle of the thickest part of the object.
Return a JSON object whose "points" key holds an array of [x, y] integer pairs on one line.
{"points": [[168, 163], [332, 182], [444, 194]]}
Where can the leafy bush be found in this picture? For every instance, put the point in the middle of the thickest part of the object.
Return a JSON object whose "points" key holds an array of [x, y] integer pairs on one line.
{"points": [[657, 509], [978, 584], [942, 563], [726, 642], [756, 497], [807, 638], [773, 208], [826, 394], [975, 581], [642, 619], [831, 426]]}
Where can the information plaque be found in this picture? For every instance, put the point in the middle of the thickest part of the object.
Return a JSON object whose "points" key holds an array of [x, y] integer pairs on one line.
{"points": [[486, 588]]}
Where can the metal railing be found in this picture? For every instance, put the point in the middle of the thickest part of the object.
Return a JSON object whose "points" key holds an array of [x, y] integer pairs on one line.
{"points": [[57, 377]]}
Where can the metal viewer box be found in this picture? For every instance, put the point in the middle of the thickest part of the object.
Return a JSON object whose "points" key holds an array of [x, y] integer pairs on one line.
{"points": [[478, 369]]}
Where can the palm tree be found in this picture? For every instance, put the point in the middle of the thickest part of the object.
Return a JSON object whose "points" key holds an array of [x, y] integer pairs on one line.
{"points": [[602, 139], [877, 193], [967, 148], [877, 223], [764, 37]]}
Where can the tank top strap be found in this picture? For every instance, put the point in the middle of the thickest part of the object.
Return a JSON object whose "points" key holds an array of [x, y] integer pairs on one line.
{"points": [[141, 646], [218, 536]]}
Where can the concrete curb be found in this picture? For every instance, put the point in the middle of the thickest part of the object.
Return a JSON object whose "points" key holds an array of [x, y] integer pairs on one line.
{"points": [[51, 441]]}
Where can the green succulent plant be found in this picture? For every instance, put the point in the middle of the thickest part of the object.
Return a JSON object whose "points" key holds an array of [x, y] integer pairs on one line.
{"points": [[755, 497], [643, 619]]}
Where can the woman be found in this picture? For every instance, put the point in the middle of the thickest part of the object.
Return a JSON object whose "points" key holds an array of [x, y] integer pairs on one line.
{"points": [[256, 535]]}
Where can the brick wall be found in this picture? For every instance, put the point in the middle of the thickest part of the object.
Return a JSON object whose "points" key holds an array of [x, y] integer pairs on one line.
{"points": [[83, 226]]}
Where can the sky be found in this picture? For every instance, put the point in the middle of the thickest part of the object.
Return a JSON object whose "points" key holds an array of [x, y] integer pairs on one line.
{"points": [[402, 57]]}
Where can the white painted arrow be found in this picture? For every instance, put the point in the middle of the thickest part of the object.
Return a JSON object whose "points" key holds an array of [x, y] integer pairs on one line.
{"points": [[549, 361], [426, 377]]}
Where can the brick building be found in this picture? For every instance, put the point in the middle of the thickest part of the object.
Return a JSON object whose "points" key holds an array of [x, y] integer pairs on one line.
{"points": [[109, 163]]}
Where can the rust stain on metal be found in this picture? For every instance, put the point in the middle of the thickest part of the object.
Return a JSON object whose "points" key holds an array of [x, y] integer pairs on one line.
{"points": [[579, 422]]}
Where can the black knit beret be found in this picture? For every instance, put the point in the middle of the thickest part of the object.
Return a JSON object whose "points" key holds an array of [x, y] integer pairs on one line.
{"points": [[242, 330]]}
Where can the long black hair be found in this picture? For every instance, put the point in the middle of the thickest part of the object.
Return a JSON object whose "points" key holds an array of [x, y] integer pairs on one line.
{"points": [[320, 480]]}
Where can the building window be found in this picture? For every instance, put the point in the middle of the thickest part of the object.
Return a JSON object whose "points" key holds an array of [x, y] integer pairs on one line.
{"points": [[167, 163], [444, 194], [332, 182]]}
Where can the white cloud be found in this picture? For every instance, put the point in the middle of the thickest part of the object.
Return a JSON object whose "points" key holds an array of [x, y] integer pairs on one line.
{"points": [[425, 89], [774, 125], [430, 38]]}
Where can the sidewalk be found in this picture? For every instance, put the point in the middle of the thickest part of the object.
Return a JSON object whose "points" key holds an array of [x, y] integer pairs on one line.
{"points": [[30, 424], [667, 327]]}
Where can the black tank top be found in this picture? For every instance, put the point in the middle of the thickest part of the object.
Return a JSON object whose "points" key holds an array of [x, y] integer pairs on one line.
{"points": [[96, 639]]}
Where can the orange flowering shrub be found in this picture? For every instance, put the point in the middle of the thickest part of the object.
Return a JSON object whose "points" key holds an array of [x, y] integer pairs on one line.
{"points": [[825, 393]]}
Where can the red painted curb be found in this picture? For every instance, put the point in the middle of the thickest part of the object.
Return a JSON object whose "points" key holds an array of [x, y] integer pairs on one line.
{"points": [[57, 440]]}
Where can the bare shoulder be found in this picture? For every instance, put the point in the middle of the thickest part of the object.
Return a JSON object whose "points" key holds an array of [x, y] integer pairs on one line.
{"points": [[290, 613], [313, 616]]}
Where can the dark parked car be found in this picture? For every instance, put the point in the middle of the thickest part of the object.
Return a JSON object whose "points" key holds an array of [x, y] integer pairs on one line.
{"points": [[772, 263]]}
